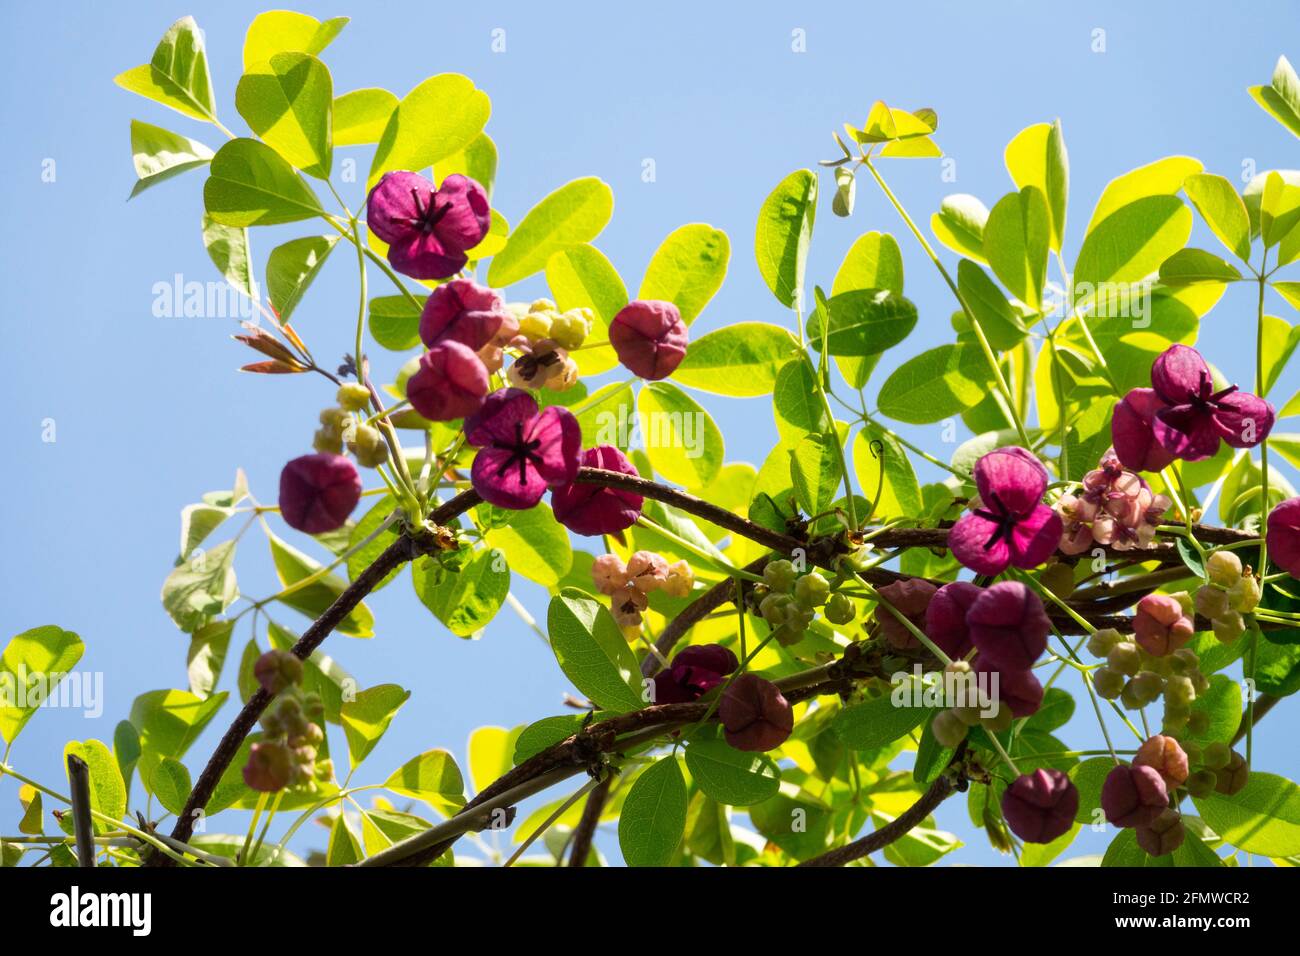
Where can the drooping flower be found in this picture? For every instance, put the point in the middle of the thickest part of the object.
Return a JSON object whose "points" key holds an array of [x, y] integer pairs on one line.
{"points": [[1115, 507], [626, 604], [1131, 431], [1166, 757], [521, 452], [543, 364], [1010, 524], [694, 671], [909, 597], [1009, 625], [755, 714], [428, 230], [1283, 536], [609, 573], [318, 492], [464, 311], [592, 509], [449, 383], [647, 570], [1018, 690], [945, 618], [649, 338], [1040, 806], [1133, 796], [1164, 835], [276, 670], [680, 581], [1161, 624], [269, 767]]}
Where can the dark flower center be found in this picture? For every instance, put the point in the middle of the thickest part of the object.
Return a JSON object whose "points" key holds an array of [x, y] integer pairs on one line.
{"points": [[522, 453], [426, 217], [1206, 401], [1004, 520]]}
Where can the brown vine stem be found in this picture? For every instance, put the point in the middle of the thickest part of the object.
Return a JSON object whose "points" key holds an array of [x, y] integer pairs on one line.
{"points": [[586, 828], [939, 791]]}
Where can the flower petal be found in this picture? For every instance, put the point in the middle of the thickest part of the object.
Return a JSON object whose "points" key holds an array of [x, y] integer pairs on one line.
{"points": [[560, 438], [501, 481], [465, 224], [1243, 420], [496, 420], [1187, 431], [1034, 538], [967, 539], [1177, 374], [1131, 431], [1012, 475]]}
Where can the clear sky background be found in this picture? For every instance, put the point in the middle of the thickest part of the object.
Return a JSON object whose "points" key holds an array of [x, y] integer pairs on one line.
{"points": [[150, 412]]}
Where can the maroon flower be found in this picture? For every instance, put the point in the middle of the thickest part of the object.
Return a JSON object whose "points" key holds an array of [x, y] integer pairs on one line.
{"points": [[694, 672], [755, 714], [1283, 536], [1009, 626], [945, 618], [1010, 525], [464, 311], [1165, 834], [1040, 806], [1131, 431], [1019, 690], [1133, 796], [521, 452], [318, 492], [909, 597], [591, 509], [450, 383], [428, 231], [1161, 625], [269, 767], [649, 337]]}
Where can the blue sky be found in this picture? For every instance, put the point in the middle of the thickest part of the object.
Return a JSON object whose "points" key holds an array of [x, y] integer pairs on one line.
{"points": [[150, 412]]}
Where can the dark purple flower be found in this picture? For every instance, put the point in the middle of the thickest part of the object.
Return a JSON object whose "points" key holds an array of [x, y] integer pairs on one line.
{"points": [[521, 452], [694, 672], [649, 337], [464, 311], [1133, 796], [1131, 431], [1011, 525], [1040, 806], [591, 509], [1019, 690], [945, 618], [428, 231], [1195, 418], [318, 492], [1164, 835], [755, 714], [910, 597], [1283, 536], [450, 383], [1009, 625]]}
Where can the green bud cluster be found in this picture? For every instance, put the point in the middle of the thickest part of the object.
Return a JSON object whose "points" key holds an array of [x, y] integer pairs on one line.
{"points": [[1231, 592], [543, 320], [789, 601], [1137, 679]]}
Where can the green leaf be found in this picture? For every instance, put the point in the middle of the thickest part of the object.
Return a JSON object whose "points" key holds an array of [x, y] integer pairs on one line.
{"points": [[1131, 243], [607, 416], [1125, 852], [681, 439], [846, 188], [33, 819], [395, 321], [250, 185], [1221, 705], [1000, 322], [959, 224], [872, 262], [170, 783], [126, 749], [207, 656], [581, 277], [1217, 201], [1016, 239], [1164, 177], [437, 119], [687, 268], [1188, 266], [177, 75], [654, 815], [279, 31], [227, 247], [785, 226], [159, 154], [876, 722], [362, 557], [491, 750], [1279, 209], [573, 214], [935, 385], [107, 788], [795, 403], [1263, 817], [289, 103], [732, 776], [168, 722], [292, 267], [197, 522], [366, 718], [292, 566], [1281, 99], [477, 160], [863, 322], [899, 494], [815, 472], [361, 116], [465, 600], [535, 545], [592, 651], [432, 777], [343, 848], [202, 587], [740, 359], [1036, 157], [544, 733], [1279, 340]]}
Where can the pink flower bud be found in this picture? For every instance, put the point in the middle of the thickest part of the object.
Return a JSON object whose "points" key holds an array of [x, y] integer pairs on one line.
{"points": [[1160, 625], [464, 311], [910, 597], [1040, 806], [647, 570], [1283, 536], [1009, 626], [275, 670], [1133, 796], [1163, 755], [269, 767], [318, 492], [1018, 690], [609, 573], [649, 337]]}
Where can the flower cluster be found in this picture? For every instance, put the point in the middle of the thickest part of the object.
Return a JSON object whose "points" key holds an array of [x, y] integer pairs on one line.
{"points": [[1155, 664], [1230, 592], [1182, 416], [1009, 526], [692, 673], [1115, 507], [286, 754], [788, 601], [546, 336], [629, 585]]}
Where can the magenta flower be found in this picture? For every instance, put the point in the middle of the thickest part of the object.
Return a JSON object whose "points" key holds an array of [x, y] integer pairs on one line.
{"points": [[649, 338], [590, 509], [1133, 796], [450, 383], [1010, 524], [910, 597], [694, 672], [318, 492], [945, 618], [1283, 536], [1040, 806], [464, 311], [1019, 690], [428, 231], [521, 452], [1132, 434], [1009, 626]]}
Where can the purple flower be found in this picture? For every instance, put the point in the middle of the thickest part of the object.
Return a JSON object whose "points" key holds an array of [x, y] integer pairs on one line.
{"points": [[1161, 625], [910, 597], [694, 672], [945, 618], [1040, 806], [428, 231], [1019, 690], [1133, 796], [755, 714], [1010, 525], [269, 766], [318, 492], [450, 383], [464, 311], [649, 338], [591, 509], [1009, 626], [521, 452], [1131, 431], [1283, 536]]}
